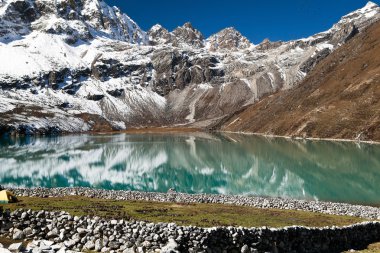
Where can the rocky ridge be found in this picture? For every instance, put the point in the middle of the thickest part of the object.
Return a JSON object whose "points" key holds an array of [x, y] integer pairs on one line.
{"points": [[81, 65], [228, 39], [72, 20], [339, 99]]}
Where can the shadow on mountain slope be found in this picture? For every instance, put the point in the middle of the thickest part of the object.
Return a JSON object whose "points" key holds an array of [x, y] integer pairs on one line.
{"points": [[340, 98]]}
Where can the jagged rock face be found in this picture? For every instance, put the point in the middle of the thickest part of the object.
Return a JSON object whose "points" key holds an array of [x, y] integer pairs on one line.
{"points": [[361, 18], [228, 39], [80, 60], [111, 21], [308, 65], [15, 18], [159, 35], [177, 69], [75, 19], [267, 45], [187, 35], [184, 36], [344, 34]]}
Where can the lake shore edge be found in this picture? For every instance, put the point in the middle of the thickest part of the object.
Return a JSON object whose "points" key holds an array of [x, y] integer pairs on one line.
{"points": [[189, 130], [304, 138], [174, 130], [333, 208]]}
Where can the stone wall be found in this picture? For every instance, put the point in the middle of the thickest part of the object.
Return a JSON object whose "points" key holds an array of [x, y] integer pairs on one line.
{"points": [[64, 232]]}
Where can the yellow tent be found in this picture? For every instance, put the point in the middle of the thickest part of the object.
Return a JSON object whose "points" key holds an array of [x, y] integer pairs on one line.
{"points": [[7, 197]]}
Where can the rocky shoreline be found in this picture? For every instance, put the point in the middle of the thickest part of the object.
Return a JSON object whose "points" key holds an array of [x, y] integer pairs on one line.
{"points": [[295, 137], [61, 232], [366, 212]]}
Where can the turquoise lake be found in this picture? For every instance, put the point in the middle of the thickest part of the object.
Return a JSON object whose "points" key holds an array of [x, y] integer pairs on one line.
{"points": [[197, 163]]}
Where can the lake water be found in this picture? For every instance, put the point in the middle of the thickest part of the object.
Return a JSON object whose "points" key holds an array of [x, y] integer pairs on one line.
{"points": [[197, 163]]}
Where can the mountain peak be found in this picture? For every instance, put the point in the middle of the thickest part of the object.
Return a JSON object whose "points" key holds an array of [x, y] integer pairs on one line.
{"points": [[188, 25], [266, 44], [355, 21], [370, 5], [156, 27], [367, 12], [72, 20], [228, 39], [189, 36], [159, 35], [229, 29]]}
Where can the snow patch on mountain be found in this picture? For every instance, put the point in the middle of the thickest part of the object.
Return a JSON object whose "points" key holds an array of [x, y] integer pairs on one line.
{"points": [[63, 59]]}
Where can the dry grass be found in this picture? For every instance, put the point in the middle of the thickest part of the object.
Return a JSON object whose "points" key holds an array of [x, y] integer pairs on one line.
{"points": [[373, 248], [339, 98], [204, 215]]}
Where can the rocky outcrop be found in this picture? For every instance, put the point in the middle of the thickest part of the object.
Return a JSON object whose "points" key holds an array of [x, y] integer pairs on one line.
{"points": [[16, 19], [178, 69], [308, 65], [267, 45], [183, 36], [159, 35], [228, 39], [187, 35], [73, 20]]}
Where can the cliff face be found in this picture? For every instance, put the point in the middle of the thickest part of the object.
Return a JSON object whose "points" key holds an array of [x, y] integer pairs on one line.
{"points": [[340, 98], [79, 65]]}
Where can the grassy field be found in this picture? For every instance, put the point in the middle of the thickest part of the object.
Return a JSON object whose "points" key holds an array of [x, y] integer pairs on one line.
{"points": [[204, 215]]}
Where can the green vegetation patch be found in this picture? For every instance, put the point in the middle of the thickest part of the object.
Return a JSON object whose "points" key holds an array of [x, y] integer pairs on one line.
{"points": [[203, 215]]}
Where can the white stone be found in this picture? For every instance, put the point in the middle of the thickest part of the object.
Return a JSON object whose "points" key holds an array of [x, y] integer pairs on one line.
{"points": [[47, 243], [15, 247], [18, 234], [90, 245], [170, 247]]}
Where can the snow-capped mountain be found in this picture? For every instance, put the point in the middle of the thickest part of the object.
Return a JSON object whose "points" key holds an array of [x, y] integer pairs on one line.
{"points": [[73, 20], [80, 65]]}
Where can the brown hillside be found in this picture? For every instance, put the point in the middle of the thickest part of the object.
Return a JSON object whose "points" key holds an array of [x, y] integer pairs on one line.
{"points": [[340, 98]]}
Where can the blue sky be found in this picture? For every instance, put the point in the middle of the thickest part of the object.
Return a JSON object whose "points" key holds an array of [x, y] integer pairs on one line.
{"points": [[257, 20]]}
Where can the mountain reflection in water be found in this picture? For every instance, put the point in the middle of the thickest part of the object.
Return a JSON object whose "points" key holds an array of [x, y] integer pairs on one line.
{"points": [[196, 163]]}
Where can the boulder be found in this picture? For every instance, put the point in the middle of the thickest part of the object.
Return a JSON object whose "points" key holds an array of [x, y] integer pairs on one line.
{"points": [[18, 235], [170, 247], [15, 247]]}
